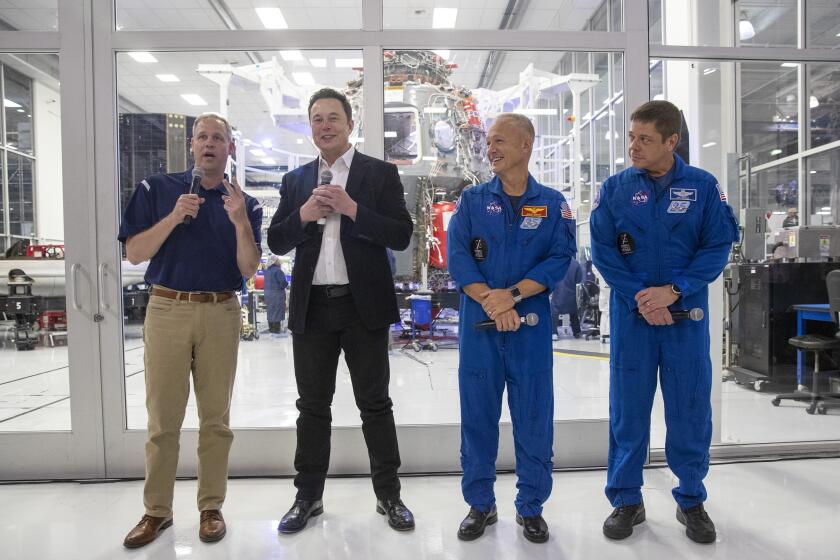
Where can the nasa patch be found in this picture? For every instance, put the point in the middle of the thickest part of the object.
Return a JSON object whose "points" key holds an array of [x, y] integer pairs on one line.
{"points": [[679, 206], [494, 209], [530, 223], [639, 198], [684, 194]]}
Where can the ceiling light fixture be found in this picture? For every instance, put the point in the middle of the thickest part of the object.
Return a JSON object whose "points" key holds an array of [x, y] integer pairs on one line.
{"points": [[746, 31], [271, 18], [167, 77], [444, 18], [291, 56], [144, 57], [193, 99], [813, 102], [303, 78], [348, 63]]}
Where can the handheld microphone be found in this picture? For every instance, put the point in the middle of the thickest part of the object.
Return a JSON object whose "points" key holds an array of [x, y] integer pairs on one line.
{"points": [[695, 314], [529, 320], [197, 176], [326, 179]]}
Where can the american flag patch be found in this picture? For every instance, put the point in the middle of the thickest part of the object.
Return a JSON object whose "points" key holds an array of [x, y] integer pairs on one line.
{"points": [[722, 194], [565, 211]]}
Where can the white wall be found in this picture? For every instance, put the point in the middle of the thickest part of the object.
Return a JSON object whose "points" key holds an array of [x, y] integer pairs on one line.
{"points": [[49, 214]]}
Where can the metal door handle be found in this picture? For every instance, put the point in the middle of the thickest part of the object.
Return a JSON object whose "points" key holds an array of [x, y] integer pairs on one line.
{"points": [[101, 272], [73, 273]]}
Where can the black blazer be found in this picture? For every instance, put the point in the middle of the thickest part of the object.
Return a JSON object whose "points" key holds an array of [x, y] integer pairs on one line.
{"points": [[382, 220]]}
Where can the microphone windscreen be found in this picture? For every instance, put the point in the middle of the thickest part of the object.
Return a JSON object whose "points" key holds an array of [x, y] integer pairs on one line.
{"points": [[696, 314], [326, 177], [198, 172], [531, 319]]}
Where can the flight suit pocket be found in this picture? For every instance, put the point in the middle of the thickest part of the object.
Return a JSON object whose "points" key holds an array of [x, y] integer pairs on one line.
{"points": [[686, 385]]}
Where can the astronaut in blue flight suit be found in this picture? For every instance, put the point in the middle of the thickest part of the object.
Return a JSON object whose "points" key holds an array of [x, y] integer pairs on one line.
{"points": [[661, 232], [508, 241]]}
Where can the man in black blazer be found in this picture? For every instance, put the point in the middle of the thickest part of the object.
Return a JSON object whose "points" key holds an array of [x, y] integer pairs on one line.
{"points": [[342, 298]]}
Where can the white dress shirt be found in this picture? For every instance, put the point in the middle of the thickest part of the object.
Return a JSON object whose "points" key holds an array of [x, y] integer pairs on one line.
{"points": [[331, 268]]}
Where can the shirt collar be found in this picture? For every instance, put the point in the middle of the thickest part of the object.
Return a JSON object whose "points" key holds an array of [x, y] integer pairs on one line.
{"points": [[346, 157], [678, 169], [218, 188], [530, 190]]}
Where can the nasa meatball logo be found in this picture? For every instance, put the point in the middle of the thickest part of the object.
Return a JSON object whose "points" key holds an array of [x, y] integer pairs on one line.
{"points": [[626, 244], [478, 246], [640, 197], [494, 209]]}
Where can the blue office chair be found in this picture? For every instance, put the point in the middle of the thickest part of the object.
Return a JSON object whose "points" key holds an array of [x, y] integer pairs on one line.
{"points": [[817, 343]]}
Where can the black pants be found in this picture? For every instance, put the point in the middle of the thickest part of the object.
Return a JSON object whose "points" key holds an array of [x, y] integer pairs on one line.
{"points": [[333, 325]]}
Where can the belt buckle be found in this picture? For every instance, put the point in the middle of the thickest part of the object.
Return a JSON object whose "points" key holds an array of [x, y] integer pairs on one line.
{"points": [[329, 290]]}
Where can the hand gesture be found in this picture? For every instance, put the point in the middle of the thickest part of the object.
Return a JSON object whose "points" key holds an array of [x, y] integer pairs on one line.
{"points": [[235, 202], [495, 302], [654, 298], [312, 210], [336, 198], [508, 321], [186, 205], [658, 317]]}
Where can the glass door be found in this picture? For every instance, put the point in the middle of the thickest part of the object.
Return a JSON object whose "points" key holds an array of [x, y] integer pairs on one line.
{"points": [[50, 407]]}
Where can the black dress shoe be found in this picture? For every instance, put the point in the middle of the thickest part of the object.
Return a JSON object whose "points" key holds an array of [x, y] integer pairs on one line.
{"points": [[399, 517], [698, 526], [474, 523], [296, 518], [534, 528], [620, 523]]}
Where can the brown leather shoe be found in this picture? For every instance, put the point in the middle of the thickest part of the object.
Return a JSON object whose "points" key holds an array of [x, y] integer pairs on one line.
{"points": [[212, 527], [146, 531]]}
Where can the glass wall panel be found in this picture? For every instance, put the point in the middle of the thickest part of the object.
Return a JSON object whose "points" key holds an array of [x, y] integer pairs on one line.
{"points": [[17, 105], [31, 15], [767, 23], [769, 109], [266, 103], [538, 15], [823, 17], [160, 15], [823, 192], [437, 114], [34, 366], [824, 102], [681, 22]]}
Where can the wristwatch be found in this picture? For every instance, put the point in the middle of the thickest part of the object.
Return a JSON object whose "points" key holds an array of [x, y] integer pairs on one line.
{"points": [[517, 295], [675, 290]]}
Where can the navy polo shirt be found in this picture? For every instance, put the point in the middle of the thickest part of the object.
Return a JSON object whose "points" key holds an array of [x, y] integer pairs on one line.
{"points": [[200, 257]]}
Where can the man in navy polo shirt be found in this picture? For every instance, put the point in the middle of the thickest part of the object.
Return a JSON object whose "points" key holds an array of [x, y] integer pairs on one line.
{"points": [[193, 318]]}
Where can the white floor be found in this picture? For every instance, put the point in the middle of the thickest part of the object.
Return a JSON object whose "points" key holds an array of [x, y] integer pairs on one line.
{"points": [[34, 392], [763, 511]]}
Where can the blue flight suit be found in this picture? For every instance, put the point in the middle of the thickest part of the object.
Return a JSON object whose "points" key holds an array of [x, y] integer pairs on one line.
{"points": [[682, 235], [488, 242]]}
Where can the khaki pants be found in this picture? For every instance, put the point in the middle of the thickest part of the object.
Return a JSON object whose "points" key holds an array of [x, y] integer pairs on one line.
{"points": [[180, 337]]}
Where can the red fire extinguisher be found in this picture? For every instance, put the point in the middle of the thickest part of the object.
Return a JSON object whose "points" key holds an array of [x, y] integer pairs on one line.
{"points": [[441, 214]]}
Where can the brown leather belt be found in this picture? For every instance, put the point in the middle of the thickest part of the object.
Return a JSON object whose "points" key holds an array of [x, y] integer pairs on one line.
{"points": [[194, 297]]}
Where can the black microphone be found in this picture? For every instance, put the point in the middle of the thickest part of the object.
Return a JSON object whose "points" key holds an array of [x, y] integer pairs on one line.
{"points": [[695, 314], [530, 320], [326, 179], [197, 176]]}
